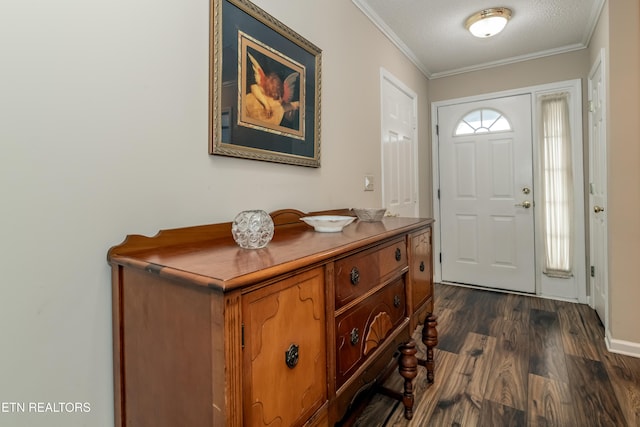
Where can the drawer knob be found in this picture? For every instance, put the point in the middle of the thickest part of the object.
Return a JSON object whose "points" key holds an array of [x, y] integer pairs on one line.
{"points": [[398, 254], [355, 276], [355, 336], [421, 265], [396, 301], [291, 356]]}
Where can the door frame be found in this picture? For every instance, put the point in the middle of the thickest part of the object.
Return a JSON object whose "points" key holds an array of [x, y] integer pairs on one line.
{"points": [[545, 286]]}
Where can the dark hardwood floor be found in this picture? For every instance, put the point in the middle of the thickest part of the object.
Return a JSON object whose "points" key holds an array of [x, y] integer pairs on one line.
{"points": [[512, 360]]}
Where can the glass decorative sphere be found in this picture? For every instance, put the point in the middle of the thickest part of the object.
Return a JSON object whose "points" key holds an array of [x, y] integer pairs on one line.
{"points": [[252, 229]]}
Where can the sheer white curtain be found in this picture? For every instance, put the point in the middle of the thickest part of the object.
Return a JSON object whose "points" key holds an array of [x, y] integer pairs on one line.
{"points": [[557, 185]]}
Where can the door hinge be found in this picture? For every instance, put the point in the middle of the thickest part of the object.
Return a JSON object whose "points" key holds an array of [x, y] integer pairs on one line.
{"points": [[242, 336], [438, 194], [437, 130], [591, 109], [593, 271], [440, 257]]}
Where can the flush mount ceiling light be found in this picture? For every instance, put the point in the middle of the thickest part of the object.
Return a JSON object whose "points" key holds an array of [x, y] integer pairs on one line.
{"points": [[488, 22]]}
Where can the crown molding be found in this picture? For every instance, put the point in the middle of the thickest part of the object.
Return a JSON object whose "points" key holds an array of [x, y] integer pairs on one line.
{"points": [[393, 37]]}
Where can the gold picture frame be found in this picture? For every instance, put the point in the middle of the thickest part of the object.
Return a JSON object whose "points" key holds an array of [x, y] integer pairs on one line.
{"points": [[264, 87]]}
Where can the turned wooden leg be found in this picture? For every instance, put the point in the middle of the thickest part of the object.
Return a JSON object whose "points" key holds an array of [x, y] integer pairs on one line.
{"points": [[408, 370], [430, 340]]}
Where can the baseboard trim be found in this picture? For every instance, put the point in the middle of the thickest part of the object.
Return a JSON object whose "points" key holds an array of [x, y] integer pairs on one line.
{"points": [[628, 348]]}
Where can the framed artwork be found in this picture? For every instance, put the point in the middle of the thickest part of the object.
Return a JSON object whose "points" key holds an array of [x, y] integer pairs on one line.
{"points": [[264, 87]]}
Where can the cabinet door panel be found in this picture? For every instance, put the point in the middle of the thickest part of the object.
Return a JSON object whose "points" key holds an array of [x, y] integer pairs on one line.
{"points": [[285, 351], [421, 268]]}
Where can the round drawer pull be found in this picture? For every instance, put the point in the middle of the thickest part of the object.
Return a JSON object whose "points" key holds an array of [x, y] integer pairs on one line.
{"points": [[398, 254], [396, 301], [355, 336], [355, 276], [421, 265], [291, 356]]}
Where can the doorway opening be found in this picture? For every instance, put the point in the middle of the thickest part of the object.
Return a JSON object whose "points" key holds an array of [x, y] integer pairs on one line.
{"points": [[493, 201], [399, 109]]}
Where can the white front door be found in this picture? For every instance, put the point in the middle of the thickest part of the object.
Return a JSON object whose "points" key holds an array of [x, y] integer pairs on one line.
{"points": [[399, 147], [486, 193], [598, 190]]}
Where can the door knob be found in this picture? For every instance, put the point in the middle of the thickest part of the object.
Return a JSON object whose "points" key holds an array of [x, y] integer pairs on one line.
{"points": [[597, 209], [526, 204]]}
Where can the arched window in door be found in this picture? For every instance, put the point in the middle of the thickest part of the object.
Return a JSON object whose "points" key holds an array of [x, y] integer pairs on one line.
{"points": [[482, 121]]}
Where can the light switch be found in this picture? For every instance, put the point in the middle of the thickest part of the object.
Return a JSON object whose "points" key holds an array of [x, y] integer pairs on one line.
{"points": [[368, 183]]}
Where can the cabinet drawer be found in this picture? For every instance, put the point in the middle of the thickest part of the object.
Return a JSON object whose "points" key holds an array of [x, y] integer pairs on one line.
{"points": [[362, 329], [421, 268], [358, 273]]}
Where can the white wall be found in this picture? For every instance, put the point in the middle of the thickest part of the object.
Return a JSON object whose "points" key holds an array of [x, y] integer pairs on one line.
{"points": [[103, 129], [618, 33], [623, 193]]}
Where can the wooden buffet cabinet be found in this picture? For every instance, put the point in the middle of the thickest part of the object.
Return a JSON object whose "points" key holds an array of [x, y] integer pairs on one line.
{"points": [[209, 334]]}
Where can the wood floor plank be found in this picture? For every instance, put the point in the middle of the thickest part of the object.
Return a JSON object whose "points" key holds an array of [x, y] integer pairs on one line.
{"points": [[427, 395], [514, 307], [483, 305], [507, 384], [593, 324], [576, 335], [423, 409], [496, 415], [450, 336], [451, 297], [569, 377], [624, 373], [462, 394], [377, 412], [592, 394], [544, 304], [550, 403], [546, 346]]}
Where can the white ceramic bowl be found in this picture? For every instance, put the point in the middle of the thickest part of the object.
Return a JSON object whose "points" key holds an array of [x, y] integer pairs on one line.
{"points": [[328, 223], [369, 214]]}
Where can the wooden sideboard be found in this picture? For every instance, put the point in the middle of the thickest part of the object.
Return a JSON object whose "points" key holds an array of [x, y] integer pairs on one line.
{"points": [[209, 334]]}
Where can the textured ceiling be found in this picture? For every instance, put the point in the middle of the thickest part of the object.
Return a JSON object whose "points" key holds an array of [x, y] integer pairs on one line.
{"points": [[432, 32]]}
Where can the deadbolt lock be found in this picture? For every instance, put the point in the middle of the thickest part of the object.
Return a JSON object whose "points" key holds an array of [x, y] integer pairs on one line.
{"points": [[526, 190]]}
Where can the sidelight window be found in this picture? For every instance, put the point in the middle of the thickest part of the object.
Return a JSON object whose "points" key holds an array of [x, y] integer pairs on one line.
{"points": [[557, 185]]}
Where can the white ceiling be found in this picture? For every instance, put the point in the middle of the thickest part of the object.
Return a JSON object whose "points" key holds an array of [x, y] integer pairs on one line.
{"points": [[432, 33]]}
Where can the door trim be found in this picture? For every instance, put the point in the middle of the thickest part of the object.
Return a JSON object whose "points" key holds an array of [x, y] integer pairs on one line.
{"points": [[544, 286]]}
